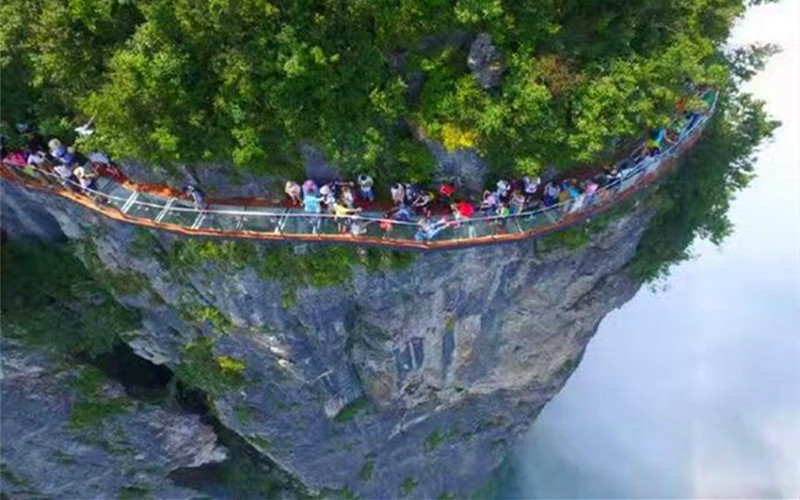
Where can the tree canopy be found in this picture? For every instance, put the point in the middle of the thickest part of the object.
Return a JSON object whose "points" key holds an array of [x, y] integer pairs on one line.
{"points": [[246, 82], [695, 201]]}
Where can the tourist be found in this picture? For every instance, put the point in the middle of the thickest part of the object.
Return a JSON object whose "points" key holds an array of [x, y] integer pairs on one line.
{"points": [[489, 204], [312, 207], [310, 186], [99, 158], [37, 159], [292, 189], [197, 196], [398, 193], [423, 202], [343, 213], [590, 188], [328, 197], [517, 203], [446, 191], [69, 157], [366, 191], [426, 230], [401, 213], [347, 196], [530, 186], [65, 176], [86, 178], [656, 138], [462, 210], [503, 212], [551, 193], [57, 150], [503, 189], [411, 193]]}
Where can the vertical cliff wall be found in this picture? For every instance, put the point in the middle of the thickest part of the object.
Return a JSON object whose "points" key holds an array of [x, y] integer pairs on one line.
{"points": [[385, 379]]}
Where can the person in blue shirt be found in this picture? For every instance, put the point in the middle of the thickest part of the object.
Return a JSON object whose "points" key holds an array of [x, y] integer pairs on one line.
{"points": [[312, 205]]}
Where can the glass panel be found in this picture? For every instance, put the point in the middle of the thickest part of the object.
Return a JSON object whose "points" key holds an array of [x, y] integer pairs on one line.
{"points": [[102, 183], [464, 230], [222, 222], [373, 227], [180, 217], [300, 224], [141, 207], [481, 228], [401, 232], [534, 220], [108, 186], [552, 214], [118, 196], [259, 223], [630, 181]]}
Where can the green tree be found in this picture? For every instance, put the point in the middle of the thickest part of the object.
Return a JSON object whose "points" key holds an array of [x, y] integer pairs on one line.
{"points": [[695, 201], [246, 82]]}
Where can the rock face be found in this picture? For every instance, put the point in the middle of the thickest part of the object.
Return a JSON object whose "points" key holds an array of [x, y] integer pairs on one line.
{"points": [[464, 166], [46, 454], [214, 179], [485, 62], [22, 219], [404, 382]]}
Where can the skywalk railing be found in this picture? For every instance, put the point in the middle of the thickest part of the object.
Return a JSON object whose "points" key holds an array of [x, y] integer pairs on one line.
{"points": [[125, 202]]}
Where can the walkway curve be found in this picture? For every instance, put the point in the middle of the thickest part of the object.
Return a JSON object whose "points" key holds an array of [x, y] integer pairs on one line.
{"points": [[125, 203]]}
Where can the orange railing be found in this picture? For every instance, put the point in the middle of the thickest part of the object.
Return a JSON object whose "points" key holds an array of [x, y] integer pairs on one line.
{"points": [[125, 202]]}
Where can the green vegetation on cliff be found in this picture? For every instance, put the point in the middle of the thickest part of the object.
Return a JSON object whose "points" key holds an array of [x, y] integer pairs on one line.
{"points": [[50, 301], [247, 81], [694, 202]]}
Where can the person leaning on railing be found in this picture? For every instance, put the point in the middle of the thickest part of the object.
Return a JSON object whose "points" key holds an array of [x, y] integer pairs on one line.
{"points": [[343, 215]]}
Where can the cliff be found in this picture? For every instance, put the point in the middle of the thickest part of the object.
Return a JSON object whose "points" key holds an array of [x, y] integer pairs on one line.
{"points": [[68, 432], [387, 375]]}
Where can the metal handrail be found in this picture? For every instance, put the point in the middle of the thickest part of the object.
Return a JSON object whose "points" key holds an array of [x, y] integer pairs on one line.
{"points": [[561, 209]]}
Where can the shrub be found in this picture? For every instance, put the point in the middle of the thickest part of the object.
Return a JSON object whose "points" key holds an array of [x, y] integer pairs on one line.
{"points": [[454, 137], [201, 369], [352, 409], [365, 474], [433, 440], [408, 486], [192, 253], [50, 301], [94, 407]]}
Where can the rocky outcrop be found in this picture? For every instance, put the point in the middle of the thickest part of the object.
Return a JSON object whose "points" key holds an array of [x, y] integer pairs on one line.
{"points": [[400, 382], [22, 219], [214, 178], [462, 166], [68, 433], [485, 61]]}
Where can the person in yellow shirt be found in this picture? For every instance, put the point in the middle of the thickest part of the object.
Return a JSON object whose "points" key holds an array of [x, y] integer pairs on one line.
{"points": [[343, 214]]}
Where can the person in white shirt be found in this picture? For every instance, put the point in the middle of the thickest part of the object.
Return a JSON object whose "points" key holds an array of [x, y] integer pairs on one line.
{"points": [[365, 187]]}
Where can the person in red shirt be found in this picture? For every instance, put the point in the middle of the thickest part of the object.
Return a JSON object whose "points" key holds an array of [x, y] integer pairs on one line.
{"points": [[447, 190]]}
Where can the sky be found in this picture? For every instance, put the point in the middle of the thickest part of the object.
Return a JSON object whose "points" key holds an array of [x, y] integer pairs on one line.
{"points": [[694, 391]]}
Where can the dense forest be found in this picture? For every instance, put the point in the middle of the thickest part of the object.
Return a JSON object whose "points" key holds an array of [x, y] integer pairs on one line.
{"points": [[245, 82]]}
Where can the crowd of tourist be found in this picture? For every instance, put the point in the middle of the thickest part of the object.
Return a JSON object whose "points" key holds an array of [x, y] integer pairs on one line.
{"points": [[430, 209], [436, 209]]}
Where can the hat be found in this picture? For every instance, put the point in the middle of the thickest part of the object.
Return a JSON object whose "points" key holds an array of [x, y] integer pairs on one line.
{"points": [[54, 144], [325, 190]]}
